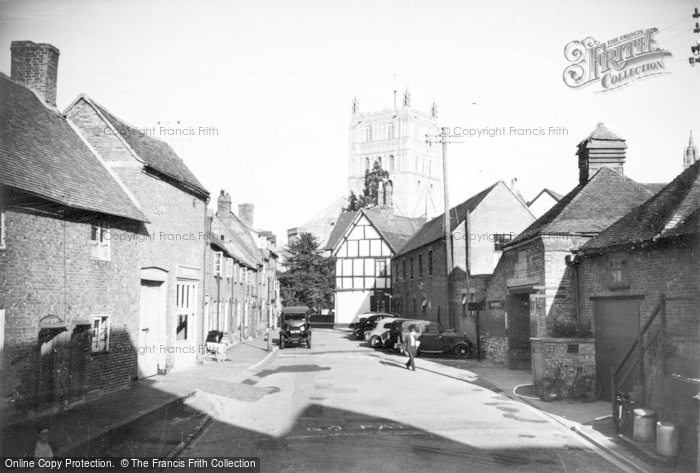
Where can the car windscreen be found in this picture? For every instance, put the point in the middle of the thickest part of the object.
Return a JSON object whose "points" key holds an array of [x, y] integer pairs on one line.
{"points": [[294, 317]]}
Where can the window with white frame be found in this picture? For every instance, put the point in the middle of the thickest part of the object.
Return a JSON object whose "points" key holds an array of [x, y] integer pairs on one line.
{"points": [[229, 267], [99, 242], [218, 263], [100, 333], [185, 310], [2, 230]]}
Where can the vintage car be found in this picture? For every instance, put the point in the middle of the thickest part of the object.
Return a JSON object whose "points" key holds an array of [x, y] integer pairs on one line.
{"points": [[435, 340], [369, 322], [295, 327], [374, 337]]}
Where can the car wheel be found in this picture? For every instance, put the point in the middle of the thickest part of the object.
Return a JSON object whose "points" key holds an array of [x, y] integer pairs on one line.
{"points": [[463, 351], [282, 344], [308, 343], [374, 342]]}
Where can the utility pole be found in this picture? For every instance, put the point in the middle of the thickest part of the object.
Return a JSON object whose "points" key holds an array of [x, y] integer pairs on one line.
{"points": [[695, 49], [443, 138]]}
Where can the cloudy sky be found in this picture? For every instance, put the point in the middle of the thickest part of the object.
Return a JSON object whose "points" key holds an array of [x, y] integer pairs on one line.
{"points": [[276, 80]]}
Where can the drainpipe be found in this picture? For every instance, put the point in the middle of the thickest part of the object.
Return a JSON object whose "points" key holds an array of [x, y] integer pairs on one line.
{"points": [[573, 264]]}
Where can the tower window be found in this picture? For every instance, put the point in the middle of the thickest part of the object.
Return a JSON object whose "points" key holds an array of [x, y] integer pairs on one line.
{"points": [[391, 131], [366, 164], [430, 263], [368, 133], [391, 163], [379, 160]]}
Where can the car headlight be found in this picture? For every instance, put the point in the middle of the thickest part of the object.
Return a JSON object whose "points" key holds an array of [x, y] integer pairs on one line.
{"points": [[303, 328]]}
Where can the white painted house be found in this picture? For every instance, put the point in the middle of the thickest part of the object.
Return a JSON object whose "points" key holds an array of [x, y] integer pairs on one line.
{"points": [[363, 243]]}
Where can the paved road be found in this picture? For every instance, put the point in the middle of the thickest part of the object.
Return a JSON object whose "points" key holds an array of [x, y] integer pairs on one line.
{"points": [[342, 406]]}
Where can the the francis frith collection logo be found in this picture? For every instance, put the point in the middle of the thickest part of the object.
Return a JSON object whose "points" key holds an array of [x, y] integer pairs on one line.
{"points": [[614, 63]]}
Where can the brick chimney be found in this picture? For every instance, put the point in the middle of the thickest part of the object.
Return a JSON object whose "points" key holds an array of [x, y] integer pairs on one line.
{"points": [[245, 213], [601, 148], [223, 208], [36, 66]]}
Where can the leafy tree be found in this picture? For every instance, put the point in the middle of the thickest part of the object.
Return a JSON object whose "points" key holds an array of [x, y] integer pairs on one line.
{"points": [[370, 193], [310, 278]]}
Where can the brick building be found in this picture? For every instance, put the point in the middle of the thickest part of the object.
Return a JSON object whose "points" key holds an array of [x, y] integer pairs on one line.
{"points": [[171, 255], [227, 285], [261, 303], [69, 295], [532, 285], [363, 244], [644, 265], [480, 226]]}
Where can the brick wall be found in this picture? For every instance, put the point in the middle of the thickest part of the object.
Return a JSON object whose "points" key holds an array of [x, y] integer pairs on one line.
{"points": [[672, 366], [47, 269], [175, 237]]}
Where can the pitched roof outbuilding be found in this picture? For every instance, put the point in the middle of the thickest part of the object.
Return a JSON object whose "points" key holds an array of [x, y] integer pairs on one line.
{"points": [[674, 211], [43, 155], [590, 207]]}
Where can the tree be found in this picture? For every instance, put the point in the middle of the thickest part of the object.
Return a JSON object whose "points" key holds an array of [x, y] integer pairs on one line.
{"points": [[310, 278], [370, 193]]}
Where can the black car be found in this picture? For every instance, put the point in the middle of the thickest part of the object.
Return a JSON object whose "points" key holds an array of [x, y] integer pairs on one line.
{"points": [[435, 340], [295, 327], [367, 322]]}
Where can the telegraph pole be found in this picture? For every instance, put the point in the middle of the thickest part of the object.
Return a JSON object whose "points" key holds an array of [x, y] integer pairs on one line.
{"points": [[695, 49], [443, 138]]}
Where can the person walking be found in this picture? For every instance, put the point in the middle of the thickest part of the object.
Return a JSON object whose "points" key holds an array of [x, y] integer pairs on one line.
{"points": [[412, 344]]}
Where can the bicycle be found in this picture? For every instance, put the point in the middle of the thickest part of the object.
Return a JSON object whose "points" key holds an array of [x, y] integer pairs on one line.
{"points": [[586, 388]]}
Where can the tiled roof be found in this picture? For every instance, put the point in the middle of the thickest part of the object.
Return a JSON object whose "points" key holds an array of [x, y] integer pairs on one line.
{"points": [[435, 229], [231, 246], [591, 207], [602, 133], [154, 152], [342, 224], [396, 230], [43, 155], [671, 212]]}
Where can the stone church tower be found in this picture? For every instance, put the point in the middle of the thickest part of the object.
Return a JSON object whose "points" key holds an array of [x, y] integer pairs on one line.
{"points": [[691, 153], [396, 139]]}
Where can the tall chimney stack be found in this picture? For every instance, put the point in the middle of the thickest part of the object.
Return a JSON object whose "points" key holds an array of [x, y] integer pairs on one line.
{"points": [[36, 66], [602, 148], [245, 213]]}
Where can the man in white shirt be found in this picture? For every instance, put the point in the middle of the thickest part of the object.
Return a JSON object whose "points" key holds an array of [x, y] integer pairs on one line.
{"points": [[412, 344]]}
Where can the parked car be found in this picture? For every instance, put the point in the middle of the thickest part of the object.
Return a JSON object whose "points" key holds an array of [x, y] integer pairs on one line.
{"points": [[374, 337], [370, 321], [435, 340], [295, 327], [395, 336]]}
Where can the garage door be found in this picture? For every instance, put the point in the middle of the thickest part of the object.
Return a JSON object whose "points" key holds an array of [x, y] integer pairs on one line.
{"points": [[616, 328]]}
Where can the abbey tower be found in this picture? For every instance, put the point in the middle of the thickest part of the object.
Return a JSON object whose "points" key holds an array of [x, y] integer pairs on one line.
{"points": [[396, 139]]}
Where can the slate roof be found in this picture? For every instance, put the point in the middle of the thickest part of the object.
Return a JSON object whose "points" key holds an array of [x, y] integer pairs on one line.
{"points": [[43, 155], [396, 230], [435, 229], [232, 247], [590, 207], [672, 212], [341, 225], [155, 153]]}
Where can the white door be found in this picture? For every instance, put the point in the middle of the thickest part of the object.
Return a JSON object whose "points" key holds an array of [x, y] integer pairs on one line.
{"points": [[149, 329]]}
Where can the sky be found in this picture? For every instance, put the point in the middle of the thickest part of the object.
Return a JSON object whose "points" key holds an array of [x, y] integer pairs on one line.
{"points": [[266, 86]]}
